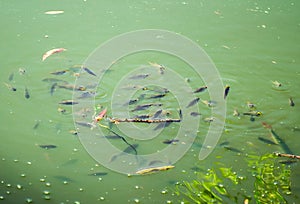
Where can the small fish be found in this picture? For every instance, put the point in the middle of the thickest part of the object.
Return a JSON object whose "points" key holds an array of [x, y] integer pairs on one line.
{"points": [[74, 132], [51, 52], [159, 66], [157, 96], [227, 88], [63, 178], [72, 87], [22, 71], [288, 162], [291, 102], [87, 94], [251, 105], [224, 144], [112, 137], [98, 174], [53, 12], [157, 113], [128, 150], [10, 87], [85, 124], [11, 77], [162, 125], [209, 119], [276, 83], [54, 80], [89, 71], [253, 113], [267, 141], [37, 124], [47, 146], [52, 89], [180, 114], [201, 89], [209, 103], [140, 76], [145, 106], [154, 169], [232, 149], [59, 72], [27, 96], [142, 116], [195, 114], [61, 110], [172, 141], [193, 102], [68, 102]]}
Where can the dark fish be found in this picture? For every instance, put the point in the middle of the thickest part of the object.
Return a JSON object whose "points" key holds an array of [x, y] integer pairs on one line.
{"points": [[70, 162], [68, 102], [193, 102], [63, 178], [140, 76], [84, 124], [54, 80], [131, 148], [291, 102], [162, 125], [227, 88], [27, 96], [133, 101], [253, 113], [89, 71], [112, 137], [157, 96], [98, 174], [288, 162], [232, 149], [195, 114], [224, 143], [151, 163], [53, 88], [142, 116], [87, 94], [47, 146], [11, 77], [201, 89], [157, 113], [180, 114], [145, 106], [72, 87], [10, 87], [172, 141], [37, 124], [267, 141], [59, 72]]}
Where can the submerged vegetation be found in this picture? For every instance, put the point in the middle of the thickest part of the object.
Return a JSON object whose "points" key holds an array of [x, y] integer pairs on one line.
{"points": [[271, 183]]}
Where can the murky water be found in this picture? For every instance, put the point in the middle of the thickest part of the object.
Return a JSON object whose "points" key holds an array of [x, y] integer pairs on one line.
{"points": [[251, 43]]}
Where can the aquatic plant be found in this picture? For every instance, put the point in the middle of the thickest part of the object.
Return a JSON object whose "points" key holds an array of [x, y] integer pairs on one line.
{"points": [[271, 184]]}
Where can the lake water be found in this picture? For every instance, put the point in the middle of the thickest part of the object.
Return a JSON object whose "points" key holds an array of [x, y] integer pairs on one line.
{"points": [[251, 43]]}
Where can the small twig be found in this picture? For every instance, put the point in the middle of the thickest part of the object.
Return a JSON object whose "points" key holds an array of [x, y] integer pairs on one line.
{"points": [[139, 120], [287, 155]]}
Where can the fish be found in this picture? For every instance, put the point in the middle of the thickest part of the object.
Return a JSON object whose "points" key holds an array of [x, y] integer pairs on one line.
{"points": [[288, 162], [53, 12], [276, 83], [195, 114], [157, 113], [209, 119], [37, 124], [140, 76], [180, 114], [209, 103], [100, 116], [63, 178], [267, 141], [22, 71], [54, 80], [201, 89], [159, 66], [72, 87], [227, 88], [10, 87], [224, 143], [193, 102], [253, 113], [291, 102], [59, 72], [87, 94], [154, 169], [145, 106], [171, 141], [277, 139], [98, 174], [157, 96], [162, 125], [51, 52], [133, 101], [142, 116], [11, 77], [48, 146], [128, 150], [112, 137], [27, 95], [74, 132], [89, 71], [53, 88], [61, 110], [68, 102], [236, 113], [250, 105], [85, 124], [232, 149]]}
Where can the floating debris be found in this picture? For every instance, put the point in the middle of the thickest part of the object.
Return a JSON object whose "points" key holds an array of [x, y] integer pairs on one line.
{"points": [[154, 169], [291, 102], [68, 102], [89, 71], [193, 102], [51, 52], [48, 146], [10, 87], [53, 12], [227, 88], [201, 89]]}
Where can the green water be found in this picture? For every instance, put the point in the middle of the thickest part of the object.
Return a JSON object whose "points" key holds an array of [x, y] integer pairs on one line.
{"points": [[251, 43]]}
